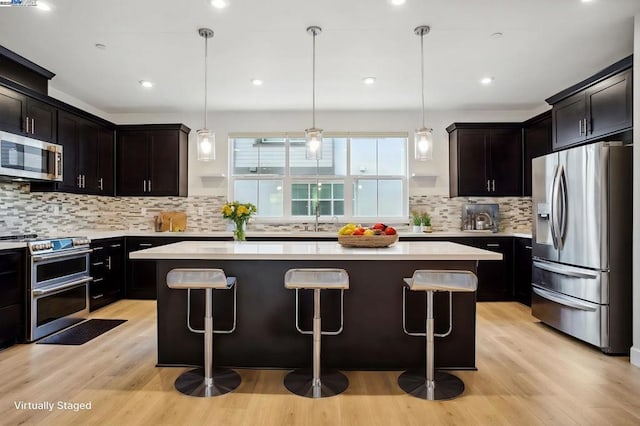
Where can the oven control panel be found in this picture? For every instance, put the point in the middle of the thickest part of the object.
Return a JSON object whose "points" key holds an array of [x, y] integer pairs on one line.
{"points": [[58, 245]]}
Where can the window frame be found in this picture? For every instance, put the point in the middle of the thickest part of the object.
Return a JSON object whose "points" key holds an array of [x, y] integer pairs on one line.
{"points": [[348, 179]]}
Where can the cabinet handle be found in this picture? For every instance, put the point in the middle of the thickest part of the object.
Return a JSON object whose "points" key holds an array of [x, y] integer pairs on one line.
{"points": [[97, 280], [145, 244], [84, 181], [97, 248], [97, 296], [149, 185], [493, 245], [33, 126], [97, 263], [144, 185], [115, 245], [100, 185], [488, 187], [493, 184], [109, 263], [26, 124], [527, 247], [79, 183], [587, 126]]}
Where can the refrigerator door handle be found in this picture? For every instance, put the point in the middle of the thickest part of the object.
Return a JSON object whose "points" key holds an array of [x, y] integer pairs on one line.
{"points": [[564, 204], [553, 208], [563, 271], [563, 300]]}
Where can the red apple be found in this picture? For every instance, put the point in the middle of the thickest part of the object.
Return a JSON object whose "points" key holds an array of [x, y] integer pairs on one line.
{"points": [[390, 230]]}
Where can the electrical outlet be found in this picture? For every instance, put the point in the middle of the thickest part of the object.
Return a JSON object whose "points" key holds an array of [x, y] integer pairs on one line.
{"points": [[56, 209], [143, 211], [200, 211]]}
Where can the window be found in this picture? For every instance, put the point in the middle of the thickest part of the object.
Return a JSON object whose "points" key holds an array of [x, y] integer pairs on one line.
{"points": [[358, 178]]}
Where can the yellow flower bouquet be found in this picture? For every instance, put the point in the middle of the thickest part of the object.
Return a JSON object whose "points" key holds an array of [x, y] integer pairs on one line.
{"points": [[240, 214]]}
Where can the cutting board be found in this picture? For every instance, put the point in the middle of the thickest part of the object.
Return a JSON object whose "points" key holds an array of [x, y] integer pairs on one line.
{"points": [[172, 221]]}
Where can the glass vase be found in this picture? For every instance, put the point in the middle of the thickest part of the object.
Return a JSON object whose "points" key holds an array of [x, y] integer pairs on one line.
{"points": [[239, 232]]}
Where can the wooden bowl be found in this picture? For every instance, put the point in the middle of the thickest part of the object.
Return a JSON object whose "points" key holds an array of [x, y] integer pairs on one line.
{"points": [[371, 241]]}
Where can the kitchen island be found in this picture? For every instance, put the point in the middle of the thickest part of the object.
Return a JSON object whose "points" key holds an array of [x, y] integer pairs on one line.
{"points": [[266, 336]]}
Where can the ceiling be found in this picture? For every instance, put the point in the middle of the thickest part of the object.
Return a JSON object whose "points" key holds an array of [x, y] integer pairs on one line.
{"points": [[546, 46]]}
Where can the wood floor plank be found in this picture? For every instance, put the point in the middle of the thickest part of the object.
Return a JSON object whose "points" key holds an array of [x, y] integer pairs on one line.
{"points": [[528, 374]]}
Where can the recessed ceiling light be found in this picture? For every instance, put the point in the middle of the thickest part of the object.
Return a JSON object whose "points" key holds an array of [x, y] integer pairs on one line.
{"points": [[369, 80], [43, 6], [146, 84], [257, 82], [586, 1], [496, 35], [398, 2], [100, 46], [487, 80], [219, 4]]}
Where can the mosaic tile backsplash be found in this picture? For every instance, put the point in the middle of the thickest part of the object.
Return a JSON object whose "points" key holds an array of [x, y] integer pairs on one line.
{"points": [[44, 213]]}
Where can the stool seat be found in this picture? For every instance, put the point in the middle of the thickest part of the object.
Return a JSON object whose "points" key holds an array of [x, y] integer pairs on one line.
{"points": [[428, 280], [318, 278], [183, 279]]}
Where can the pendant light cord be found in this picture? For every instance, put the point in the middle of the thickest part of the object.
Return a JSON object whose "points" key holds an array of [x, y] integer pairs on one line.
{"points": [[314, 81], [422, 73], [206, 41]]}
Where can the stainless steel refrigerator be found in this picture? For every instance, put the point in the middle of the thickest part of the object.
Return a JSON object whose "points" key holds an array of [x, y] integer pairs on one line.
{"points": [[582, 229]]}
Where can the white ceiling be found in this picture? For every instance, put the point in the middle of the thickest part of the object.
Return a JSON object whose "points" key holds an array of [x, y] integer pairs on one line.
{"points": [[547, 46]]}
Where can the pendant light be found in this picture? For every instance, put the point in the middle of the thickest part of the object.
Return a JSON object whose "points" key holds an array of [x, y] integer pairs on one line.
{"points": [[423, 139], [206, 138], [313, 136]]}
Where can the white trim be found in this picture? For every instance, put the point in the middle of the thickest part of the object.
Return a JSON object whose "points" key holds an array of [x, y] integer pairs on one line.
{"points": [[635, 356]]}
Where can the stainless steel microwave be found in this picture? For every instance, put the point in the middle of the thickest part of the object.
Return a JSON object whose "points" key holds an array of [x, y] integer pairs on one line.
{"points": [[23, 158]]}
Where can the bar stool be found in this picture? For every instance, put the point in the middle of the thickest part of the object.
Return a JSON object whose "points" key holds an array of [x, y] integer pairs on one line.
{"points": [[207, 381], [315, 383], [429, 384]]}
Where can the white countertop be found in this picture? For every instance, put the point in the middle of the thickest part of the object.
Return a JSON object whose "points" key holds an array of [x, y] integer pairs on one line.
{"points": [[100, 235], [312, 250]]}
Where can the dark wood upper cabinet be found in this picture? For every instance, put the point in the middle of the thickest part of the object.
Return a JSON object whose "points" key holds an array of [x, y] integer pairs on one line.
{"points": [[536, 133], [485, 159], [87, 155], [24, 115], [595, 108], [152, 160]]}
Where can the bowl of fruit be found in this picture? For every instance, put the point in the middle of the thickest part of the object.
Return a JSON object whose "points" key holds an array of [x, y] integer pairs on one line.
{"points": [[379, 235]]}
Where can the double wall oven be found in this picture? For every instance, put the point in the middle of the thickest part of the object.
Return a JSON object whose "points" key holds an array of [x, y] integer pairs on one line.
{"points": [[58, 289]]}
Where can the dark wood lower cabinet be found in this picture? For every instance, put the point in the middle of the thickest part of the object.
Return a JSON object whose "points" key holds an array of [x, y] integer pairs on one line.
{"points": [[495, 283], [522, 270], [12, 297], [107, 270]]}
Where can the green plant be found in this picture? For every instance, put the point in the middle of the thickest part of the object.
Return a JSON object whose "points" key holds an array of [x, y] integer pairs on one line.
{"points": [[416, 218], [426, 219]]}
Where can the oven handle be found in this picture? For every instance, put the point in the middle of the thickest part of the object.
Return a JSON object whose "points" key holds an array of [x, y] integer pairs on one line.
{"points": [[41, 292], [58, 256]]}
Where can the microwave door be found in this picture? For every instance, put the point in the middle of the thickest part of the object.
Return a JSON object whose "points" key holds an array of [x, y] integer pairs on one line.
{"points": [[544, 178]]}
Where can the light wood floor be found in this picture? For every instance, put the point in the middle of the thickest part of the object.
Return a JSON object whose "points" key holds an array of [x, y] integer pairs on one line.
{"points": [[527, 374]]}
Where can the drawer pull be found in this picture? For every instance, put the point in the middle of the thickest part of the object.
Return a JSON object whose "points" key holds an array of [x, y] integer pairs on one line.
{"points": [[97, 263], [97, 296], [145, 244], [527, 247], [97, 280], [115, 245], [493, 245]]}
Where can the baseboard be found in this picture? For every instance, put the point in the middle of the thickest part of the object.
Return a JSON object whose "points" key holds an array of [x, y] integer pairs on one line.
{"points": [[635, 356]]}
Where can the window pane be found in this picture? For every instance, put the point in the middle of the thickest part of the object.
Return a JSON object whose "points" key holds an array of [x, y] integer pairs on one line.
{"points": [[300, 208], [391, 156], [338, 191], [363, 156], [266, 195], [325, 208], [299, 191], [338, 208], [365, 193], [270, 202], [390, 200], [259, 156], [325, 191], [333, 158]]}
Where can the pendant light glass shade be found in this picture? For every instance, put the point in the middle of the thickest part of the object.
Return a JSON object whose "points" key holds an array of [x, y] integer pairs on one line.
{"points": [[206, 139], [423, 140], [313, 136]]}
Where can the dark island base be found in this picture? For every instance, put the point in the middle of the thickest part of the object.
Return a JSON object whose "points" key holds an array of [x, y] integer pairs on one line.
{"points": [[266, 336]]}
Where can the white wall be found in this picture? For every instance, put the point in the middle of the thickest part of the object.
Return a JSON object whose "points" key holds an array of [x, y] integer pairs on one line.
{"points": [[635, 350], [224, 123]]}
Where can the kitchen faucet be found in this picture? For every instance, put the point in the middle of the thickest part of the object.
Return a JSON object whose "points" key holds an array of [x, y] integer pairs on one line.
{"points": [[316, 227]]}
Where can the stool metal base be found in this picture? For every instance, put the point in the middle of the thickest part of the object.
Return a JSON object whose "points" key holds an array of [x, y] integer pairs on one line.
{"points": [[447, 386], [192, 382], [300, 382]]}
